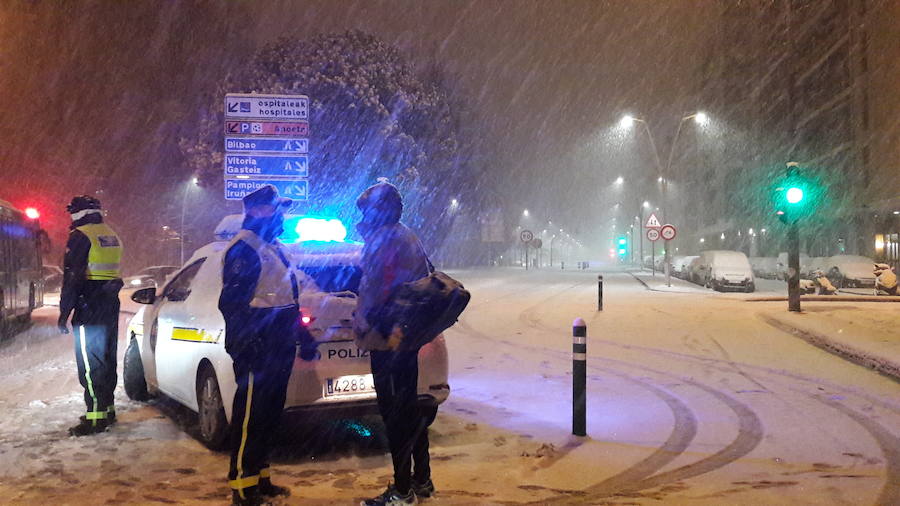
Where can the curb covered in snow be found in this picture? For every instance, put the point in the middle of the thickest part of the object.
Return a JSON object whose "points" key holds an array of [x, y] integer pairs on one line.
{"points": [[887, 366], [830, 298], [672, 289]]}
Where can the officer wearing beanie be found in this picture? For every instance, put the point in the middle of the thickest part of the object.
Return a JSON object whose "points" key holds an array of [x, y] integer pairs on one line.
{"points": [[91, 284], [260, 304]]}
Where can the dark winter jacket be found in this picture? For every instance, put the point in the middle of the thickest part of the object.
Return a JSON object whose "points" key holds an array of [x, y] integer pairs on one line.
{"points": [[391, 257], [79, 293]]}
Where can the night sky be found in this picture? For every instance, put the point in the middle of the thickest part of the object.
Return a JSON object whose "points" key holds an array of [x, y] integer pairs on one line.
{"points": [[96, 94]]}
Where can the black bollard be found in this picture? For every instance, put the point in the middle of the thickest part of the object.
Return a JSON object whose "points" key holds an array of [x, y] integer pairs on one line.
{"points": [[599, 293], [579, 377]]}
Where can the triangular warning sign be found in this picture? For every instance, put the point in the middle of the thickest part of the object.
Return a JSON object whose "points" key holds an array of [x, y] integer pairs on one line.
{"points": [[653, 221]]}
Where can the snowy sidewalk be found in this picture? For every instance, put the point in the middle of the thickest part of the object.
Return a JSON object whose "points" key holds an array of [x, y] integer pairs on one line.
{"points": [[865, 333], [657, 283]]}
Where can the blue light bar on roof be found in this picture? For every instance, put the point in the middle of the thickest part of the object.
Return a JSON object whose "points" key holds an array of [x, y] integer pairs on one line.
{"points": [[310, 228]]}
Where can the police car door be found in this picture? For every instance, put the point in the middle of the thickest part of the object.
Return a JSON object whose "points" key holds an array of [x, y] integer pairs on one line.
{"points": [[179, 334]]}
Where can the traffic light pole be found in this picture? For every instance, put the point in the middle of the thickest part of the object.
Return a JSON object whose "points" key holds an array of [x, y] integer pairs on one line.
{"points": [[794, 267]]}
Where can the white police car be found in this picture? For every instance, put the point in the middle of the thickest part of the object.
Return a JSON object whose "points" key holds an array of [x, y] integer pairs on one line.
{"points": [[176, 340]]}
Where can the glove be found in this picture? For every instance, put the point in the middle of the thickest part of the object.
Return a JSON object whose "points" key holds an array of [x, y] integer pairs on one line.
{"points": [[62, 325], [309, 352]]}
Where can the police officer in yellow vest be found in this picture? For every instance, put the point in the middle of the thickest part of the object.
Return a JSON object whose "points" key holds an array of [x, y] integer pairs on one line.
{"points": [[259, 302], [91, 284]]}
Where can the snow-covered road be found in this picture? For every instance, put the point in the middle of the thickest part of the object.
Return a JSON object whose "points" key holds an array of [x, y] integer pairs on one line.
{"points": [[692, 399]]}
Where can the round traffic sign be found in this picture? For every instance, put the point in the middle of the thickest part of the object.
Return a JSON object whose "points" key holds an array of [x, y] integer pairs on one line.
{"points": [[536, 243], [526, 235], [653, 234], [667, 232]]}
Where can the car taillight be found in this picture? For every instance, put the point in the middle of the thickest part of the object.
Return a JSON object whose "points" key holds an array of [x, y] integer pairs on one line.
{"points": [[306, 318]]}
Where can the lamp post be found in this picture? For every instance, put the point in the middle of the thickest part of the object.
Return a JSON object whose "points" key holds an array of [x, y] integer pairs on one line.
{"points": [[193, 182], [626, 122]]}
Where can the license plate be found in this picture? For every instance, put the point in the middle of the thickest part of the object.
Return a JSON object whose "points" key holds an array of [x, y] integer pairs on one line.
{"points": [[349, 385]]}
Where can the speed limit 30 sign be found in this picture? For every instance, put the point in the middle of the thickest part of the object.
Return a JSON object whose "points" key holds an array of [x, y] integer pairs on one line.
{"points": [[667, 232]]}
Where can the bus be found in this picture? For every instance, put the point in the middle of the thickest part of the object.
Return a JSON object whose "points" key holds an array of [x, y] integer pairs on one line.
{"points": [[21, 279]]}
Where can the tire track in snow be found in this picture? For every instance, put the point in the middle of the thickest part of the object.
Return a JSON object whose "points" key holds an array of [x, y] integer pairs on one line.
{"points": [[750, 428], [750, 432], [889, 444], [529, 316]]}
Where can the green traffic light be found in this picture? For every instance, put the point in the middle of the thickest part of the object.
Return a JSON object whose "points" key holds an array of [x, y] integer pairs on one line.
{"points": [[794, 195]]}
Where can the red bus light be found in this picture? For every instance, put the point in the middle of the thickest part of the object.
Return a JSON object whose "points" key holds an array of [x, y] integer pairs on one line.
{"points": [[32, 213]]}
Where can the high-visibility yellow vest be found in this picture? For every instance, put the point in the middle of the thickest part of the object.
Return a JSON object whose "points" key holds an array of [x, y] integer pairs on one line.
{"points": [[276, 284], [105, 255]]}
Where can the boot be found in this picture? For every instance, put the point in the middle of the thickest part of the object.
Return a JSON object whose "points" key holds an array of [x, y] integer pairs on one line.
{"points": [[252, 497], [423, 490], [87, 427], [268, 489]]}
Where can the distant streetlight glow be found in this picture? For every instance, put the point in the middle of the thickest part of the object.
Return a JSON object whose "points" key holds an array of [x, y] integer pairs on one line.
{"points": [[646, 205], [525, 212], [620, 180], [454, 202], [627, 121], [702, 240], [195, 180], [701, 118]]}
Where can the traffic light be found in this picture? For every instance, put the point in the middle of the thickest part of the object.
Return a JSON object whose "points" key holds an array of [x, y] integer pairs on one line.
{"points": [[794, 195], [622, 243]]}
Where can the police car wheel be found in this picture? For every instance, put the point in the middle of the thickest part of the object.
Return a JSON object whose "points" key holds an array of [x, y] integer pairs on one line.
{"points": [[133, 373], [212, 422]]}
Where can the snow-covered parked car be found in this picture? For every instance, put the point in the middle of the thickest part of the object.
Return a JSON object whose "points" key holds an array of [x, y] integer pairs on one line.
{"points": [[176, 341], [680, 266], [782, 265], [815, 264], [725, 270], [851, 271], [765, 267]]}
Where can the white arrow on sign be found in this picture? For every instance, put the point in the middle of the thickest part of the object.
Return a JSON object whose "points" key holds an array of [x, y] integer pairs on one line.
{"points": [[653, 221], [667, 232], [653, 234]]}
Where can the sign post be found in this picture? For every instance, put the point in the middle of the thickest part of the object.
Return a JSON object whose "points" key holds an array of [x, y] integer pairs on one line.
{"points": [[653, 236], [654, 225], [668, 232], [527, 236], [266, 142]]}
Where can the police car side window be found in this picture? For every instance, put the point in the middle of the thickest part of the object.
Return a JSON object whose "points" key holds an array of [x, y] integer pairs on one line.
{"points": [[180, 287]]}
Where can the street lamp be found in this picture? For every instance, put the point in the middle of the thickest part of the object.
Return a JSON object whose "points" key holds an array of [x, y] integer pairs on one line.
{"points": [[700, 118], [620, 180], [525, 213], [193, 182]]}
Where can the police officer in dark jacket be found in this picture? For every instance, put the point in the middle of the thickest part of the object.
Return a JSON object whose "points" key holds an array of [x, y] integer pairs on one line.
{"points": [[391, 257], [91, 284], [259, 302]]}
